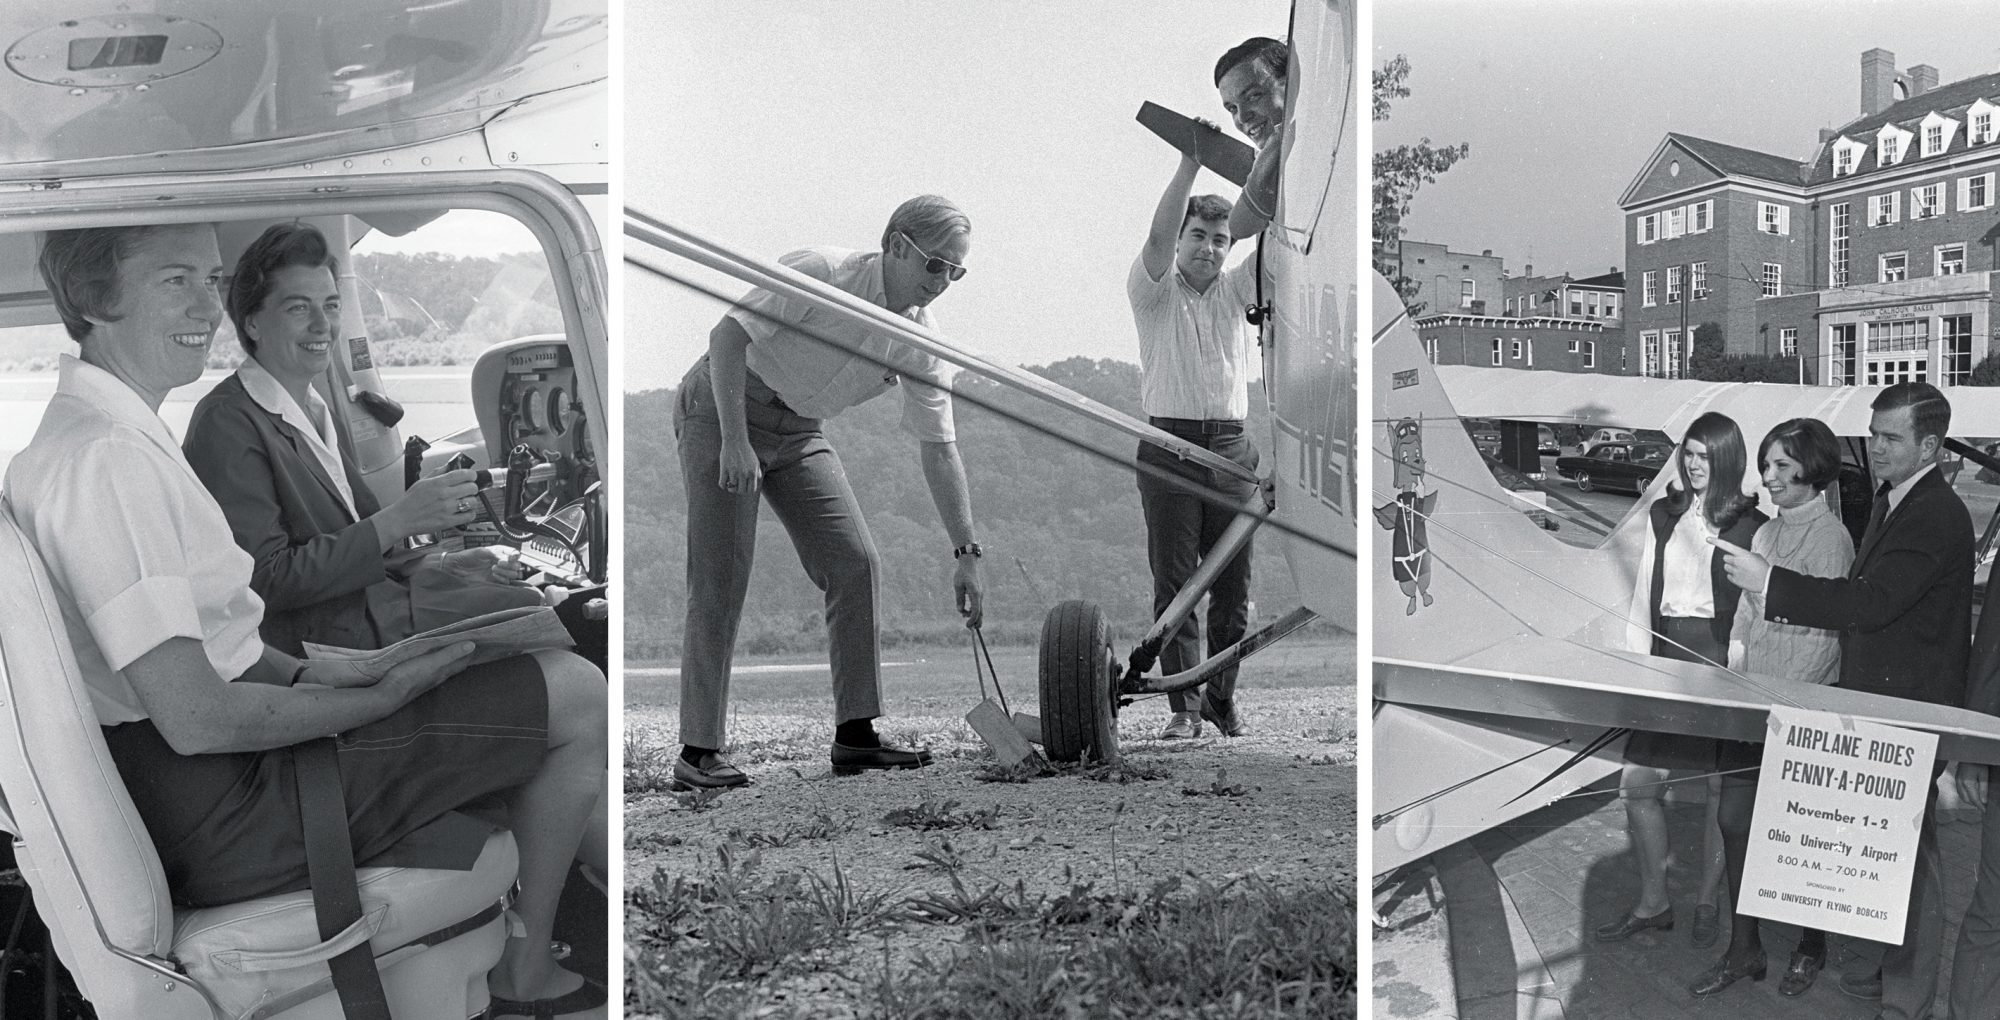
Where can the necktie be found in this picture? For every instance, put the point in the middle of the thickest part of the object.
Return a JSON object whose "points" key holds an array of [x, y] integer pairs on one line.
{"points": [[1876, 514]]}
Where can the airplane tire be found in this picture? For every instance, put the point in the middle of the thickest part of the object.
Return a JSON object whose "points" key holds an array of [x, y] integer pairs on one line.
{"points": [[1078, 717], [1583, 481]]}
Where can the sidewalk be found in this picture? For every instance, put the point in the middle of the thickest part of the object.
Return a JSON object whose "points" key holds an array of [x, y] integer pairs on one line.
{"points": [[1565, 869]]}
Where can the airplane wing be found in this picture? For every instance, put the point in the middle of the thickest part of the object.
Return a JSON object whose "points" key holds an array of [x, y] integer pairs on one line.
{"points": [[1503, 665], [1229, 158]]}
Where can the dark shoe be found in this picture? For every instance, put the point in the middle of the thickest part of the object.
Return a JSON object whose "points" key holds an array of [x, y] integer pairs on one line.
{"points": [[590, 996], [1184, 726], [1706, 924], [848, 761], [1632, 924], [713, 773], [1224, 720], [1865, 986], [1723, 974], [1799, 974]]}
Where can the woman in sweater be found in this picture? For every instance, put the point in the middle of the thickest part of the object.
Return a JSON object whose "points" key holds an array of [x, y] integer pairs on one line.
{"points": [[1689, 606], [1799, 459]]}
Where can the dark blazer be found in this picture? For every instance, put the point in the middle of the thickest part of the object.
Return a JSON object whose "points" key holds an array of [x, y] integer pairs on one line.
{"points": [[320, 572], [1904, 610], [1664, 520]]}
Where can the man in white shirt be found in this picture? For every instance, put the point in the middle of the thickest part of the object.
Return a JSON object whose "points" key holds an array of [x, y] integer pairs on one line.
{"points": [[1194, 365], [748, 421]]}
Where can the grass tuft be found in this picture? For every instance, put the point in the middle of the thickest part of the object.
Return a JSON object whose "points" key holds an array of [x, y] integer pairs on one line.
{"points": [[932, 814]]}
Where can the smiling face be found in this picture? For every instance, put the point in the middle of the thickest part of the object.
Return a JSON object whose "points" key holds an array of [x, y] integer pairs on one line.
{"points": [[297, 325], [1781, 477], [158, 332], [1694, 460], [1255, 99], [906, 283], [1199, 252]]}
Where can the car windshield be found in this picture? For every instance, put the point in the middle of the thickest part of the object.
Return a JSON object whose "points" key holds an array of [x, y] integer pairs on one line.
{"points": [[1650, 454]]}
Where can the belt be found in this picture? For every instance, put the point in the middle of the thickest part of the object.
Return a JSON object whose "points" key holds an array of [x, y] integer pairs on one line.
{"points": [[1198, 426]]}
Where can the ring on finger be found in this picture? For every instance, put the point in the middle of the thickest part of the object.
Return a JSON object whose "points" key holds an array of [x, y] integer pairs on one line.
{"points": [[462, 506]]}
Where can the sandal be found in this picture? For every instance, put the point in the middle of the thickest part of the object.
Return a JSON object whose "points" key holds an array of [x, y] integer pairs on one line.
{"points": [[590, 996]]}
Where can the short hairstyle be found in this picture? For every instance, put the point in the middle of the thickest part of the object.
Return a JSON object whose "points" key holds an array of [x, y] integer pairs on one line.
{"points": [[80, 268], [927, 220], [1810, 443], [1929, 410], [280, 247], [1271, 53], [1206, 207]]}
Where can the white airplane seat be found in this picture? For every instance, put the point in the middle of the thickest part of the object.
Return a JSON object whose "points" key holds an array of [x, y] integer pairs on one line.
{"points": [[99, 886]]}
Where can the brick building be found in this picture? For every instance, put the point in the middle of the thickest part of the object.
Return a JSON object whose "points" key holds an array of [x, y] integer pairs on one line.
{"points": [[1595, 298], [1450, 281], [1546, 344], [1870, 262]]}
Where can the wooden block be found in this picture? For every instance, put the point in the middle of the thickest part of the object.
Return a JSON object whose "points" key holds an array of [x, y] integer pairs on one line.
{"points": [[991, 723], [1228, 157], [1030, 727]]}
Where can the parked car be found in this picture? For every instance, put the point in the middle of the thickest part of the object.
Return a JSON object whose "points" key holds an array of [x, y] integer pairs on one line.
{"points": [[1545, 441], [1607, 435], [1626, 466]]}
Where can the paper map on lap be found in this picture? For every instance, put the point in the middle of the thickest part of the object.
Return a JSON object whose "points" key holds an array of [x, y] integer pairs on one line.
{"points": [[498, 635]]}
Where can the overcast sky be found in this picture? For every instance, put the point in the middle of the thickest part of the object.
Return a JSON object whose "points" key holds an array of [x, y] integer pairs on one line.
{"points": [[1564, 101], [772, 126]]}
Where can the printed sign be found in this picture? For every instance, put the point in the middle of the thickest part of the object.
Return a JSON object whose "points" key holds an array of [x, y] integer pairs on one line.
{"points": [[1403, 380], [1833, 841], [357, 351]]}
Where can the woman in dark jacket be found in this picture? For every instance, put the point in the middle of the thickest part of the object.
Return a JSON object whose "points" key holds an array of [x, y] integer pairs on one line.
{"points": [[1691, 606]]}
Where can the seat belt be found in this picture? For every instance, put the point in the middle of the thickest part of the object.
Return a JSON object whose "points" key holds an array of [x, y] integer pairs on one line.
{"points": [[330, 868]]}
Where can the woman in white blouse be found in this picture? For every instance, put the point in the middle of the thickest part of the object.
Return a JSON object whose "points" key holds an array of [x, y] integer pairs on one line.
{"points": [[1690, 605]]}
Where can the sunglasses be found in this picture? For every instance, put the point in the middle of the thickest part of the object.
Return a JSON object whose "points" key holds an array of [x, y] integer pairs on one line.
{"points": [[932, 264]]}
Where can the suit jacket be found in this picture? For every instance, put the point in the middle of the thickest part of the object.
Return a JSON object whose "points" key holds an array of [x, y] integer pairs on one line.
{"points": [[320, 571], [1904, 610], [1726, 594]]}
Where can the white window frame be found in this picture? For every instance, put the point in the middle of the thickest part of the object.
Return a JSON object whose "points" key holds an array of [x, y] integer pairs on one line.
{"points": [[1701, 216], [1945, 130], [1590, 354], [1847, 155], [1774, 218], [1496, 352], [1981, 124], [1840, 246], [1882, 266], [1610, 306], [1891, 145], [1649, 353], [1957, 264], [1674, 292], [1698, 281], [1648, 230], [1884, 210], [1468, 292], [1788, 342], [1676, 222], [1572, 346], [1649, 288], [1927, 201], [1772, 283], [1514, 350], [1671, 356], [1967, 201], [1531, 351]]}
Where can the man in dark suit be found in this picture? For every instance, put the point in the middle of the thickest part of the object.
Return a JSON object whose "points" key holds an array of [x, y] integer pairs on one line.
{"points": [[1904, 612]]}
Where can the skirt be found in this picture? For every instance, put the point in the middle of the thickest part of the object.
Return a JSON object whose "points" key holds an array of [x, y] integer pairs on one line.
{"points": [[1685, 639], [421, 787]]}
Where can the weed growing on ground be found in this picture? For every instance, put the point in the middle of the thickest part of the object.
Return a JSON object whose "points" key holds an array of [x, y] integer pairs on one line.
{"points": [[1221, 787], [939, 814], [941, 856], [700, 798], [822, 825], [649, 768], [1123, 771]]}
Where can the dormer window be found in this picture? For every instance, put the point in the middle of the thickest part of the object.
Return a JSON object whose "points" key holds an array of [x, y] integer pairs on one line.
{"points": [[1843, 159], [1981, 124], [1890, 143], [1938, 130]]}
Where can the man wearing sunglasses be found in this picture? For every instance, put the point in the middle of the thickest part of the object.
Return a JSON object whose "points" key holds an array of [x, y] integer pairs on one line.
{"points": [[748, 422], [1194, 368]]}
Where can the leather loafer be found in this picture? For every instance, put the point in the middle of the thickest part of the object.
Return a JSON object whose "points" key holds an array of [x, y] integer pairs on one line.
{"points": [[1861, 986], [1799, 974], [1632, 924], [849, 761], [1185, 726], [1724, 974], [714, 773], [1224, 720]]}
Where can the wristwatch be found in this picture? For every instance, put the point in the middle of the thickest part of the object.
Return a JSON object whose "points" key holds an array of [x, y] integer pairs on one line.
{"points": [[968, 549]]}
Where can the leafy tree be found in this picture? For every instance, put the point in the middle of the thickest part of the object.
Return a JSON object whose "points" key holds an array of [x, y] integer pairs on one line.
{"points": [[1706, 359], [1987, 372], [1399, 172]]}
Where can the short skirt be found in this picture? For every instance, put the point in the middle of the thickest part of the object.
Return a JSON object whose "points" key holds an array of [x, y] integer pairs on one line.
{"points": [[1692, 640], [421, 787]]}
